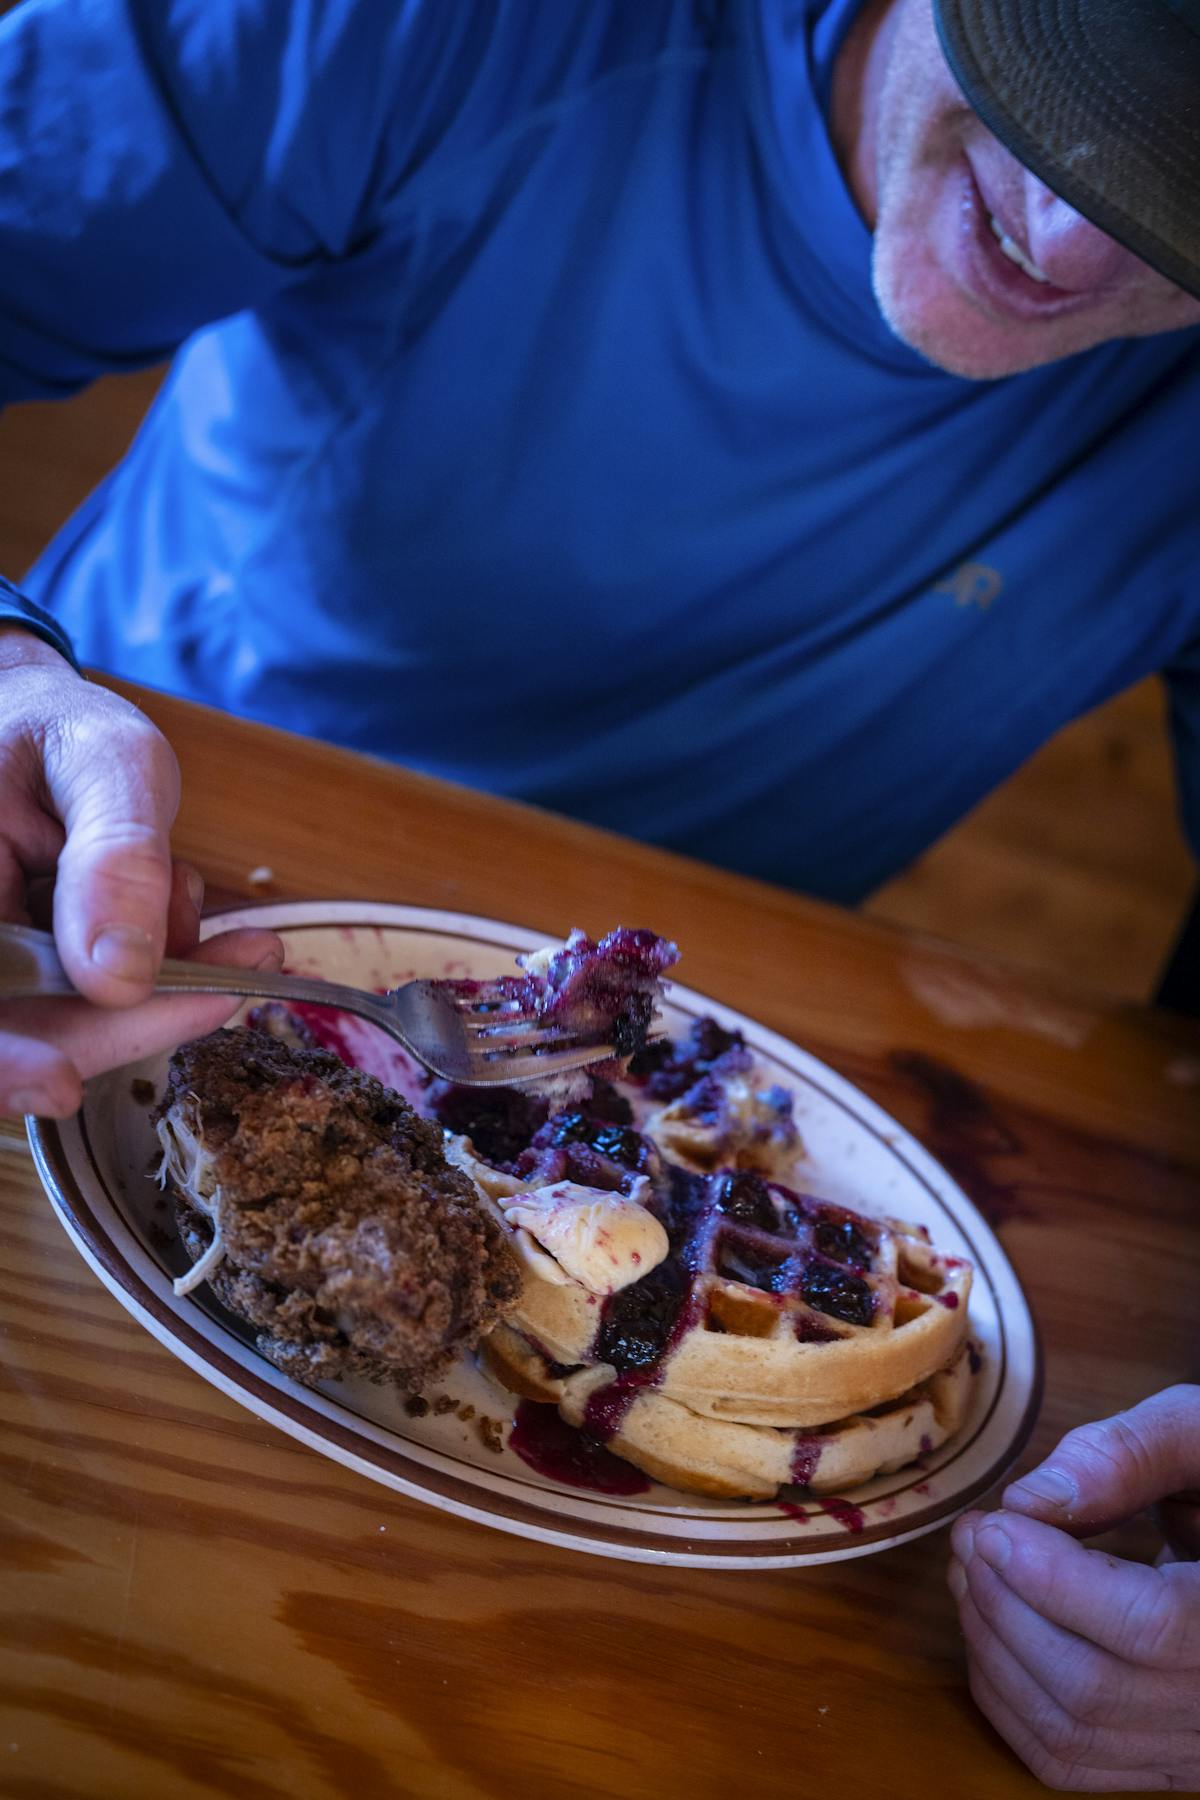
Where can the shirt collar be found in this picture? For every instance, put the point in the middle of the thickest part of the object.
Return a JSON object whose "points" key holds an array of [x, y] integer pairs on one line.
{"points": [[790, 47]]}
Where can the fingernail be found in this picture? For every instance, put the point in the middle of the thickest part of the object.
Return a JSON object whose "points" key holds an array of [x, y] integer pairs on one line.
{"points": [[272, 959], [28, 1100], [964, 1542], [195, 888], [125, 951], [956, 1579], [994, 1545], [1045, 1487]]}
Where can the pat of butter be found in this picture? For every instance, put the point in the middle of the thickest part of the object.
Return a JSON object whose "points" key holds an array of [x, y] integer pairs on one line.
{"points": [[604, 1241]]}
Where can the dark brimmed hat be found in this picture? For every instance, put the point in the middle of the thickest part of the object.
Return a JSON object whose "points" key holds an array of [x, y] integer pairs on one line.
{"points": [[1101, 99]]}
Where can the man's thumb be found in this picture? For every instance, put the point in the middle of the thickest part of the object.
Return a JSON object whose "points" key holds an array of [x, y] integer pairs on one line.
{"points": [[115, 786], [1112, 1469]]}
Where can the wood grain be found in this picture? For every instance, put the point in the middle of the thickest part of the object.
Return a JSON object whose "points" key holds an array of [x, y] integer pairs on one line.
{"points": [[195, 1605]]}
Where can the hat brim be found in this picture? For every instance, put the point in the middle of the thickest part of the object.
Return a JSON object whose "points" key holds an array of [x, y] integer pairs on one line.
{"points": [[1101, 99]]}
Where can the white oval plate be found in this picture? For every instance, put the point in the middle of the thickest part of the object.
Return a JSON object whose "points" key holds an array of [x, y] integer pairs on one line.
{"points": [[94, 1168]]}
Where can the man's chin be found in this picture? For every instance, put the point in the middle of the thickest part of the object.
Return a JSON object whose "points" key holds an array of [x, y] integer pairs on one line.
{"points": [[937, 321]]}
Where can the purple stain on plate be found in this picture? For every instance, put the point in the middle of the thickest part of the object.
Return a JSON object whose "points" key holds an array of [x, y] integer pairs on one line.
{"points": [[848, 1516], [799, 1513]]}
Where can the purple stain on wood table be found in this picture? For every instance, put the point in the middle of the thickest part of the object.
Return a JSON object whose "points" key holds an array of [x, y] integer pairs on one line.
{"points": [[964, 1130]]}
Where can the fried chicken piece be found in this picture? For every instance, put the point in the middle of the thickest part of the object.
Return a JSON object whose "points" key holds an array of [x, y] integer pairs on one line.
{"points": [[320, 1208]]}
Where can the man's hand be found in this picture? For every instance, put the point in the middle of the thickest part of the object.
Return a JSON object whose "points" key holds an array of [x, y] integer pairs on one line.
{"points": [[1087, 1665], [88, 793]]}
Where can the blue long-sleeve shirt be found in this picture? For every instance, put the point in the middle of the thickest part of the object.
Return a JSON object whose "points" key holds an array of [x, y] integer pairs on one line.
{"points": [[532, 421]]}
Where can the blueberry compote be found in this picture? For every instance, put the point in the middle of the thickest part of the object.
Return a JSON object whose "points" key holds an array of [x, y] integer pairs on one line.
{"points": [[745, 1198], [501, 1122], [837, 1293], [608, 987], [599, 1153], [605, 990], [641, 1324], [498, 1120], [669, 1069], [845, 1238], [770, 1267]]}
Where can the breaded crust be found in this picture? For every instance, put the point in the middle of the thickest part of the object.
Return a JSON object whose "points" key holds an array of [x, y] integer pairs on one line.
{"points": [[349, 1242]]}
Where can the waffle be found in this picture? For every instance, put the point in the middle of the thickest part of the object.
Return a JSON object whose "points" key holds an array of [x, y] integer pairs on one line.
{"points": [[728, 1119], [772, 1308], [727, 1459]]}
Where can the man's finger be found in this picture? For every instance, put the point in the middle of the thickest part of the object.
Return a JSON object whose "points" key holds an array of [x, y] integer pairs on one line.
{"points": [[1088, 1684], [1044, 1764], [1136, 1613], [88, 1039], [1107, 1471], [1098, 1743], [36, 1078], [114, 783], [30, 842], [183, 909]]}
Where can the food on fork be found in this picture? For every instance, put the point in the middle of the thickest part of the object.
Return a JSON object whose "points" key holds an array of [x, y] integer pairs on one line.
{"points": [[604, 991], [320, 1208]]}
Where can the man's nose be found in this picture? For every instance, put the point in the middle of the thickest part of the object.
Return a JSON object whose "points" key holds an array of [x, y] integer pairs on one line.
{"points": [[1065, 246]]}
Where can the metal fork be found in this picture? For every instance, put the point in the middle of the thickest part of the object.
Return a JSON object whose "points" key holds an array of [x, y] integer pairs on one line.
{"points": [[478, 1035]]}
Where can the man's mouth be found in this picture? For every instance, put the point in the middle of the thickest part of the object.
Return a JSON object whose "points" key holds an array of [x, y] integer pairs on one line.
{"points": [[1014, 252], [998, 271]]}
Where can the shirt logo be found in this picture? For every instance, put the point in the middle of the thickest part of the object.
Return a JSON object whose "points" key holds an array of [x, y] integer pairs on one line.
{"points": [[972, 584]]}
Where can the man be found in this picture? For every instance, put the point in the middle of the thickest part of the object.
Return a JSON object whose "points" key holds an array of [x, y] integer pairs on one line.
{"points": [[720, 421]]}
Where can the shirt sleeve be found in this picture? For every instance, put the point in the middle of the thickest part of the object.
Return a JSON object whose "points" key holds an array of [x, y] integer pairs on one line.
{"points": [[1183, 691], [164, 163], [15, 607]]}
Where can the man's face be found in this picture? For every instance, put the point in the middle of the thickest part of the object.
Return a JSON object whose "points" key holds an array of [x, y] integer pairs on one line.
{"points": [[960, 225]]}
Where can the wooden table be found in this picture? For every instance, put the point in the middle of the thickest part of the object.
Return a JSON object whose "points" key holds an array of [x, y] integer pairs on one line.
{"points": [[195, 1605]]}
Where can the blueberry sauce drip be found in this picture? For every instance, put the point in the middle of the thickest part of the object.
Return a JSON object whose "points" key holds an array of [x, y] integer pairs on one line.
{"points": [[811, 1331], [806, 1454], [639, 1322], [561, 1453], [848, 1516]]}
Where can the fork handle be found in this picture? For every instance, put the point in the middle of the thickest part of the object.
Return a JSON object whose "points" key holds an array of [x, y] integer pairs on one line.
{"points": [[30, 965]]}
